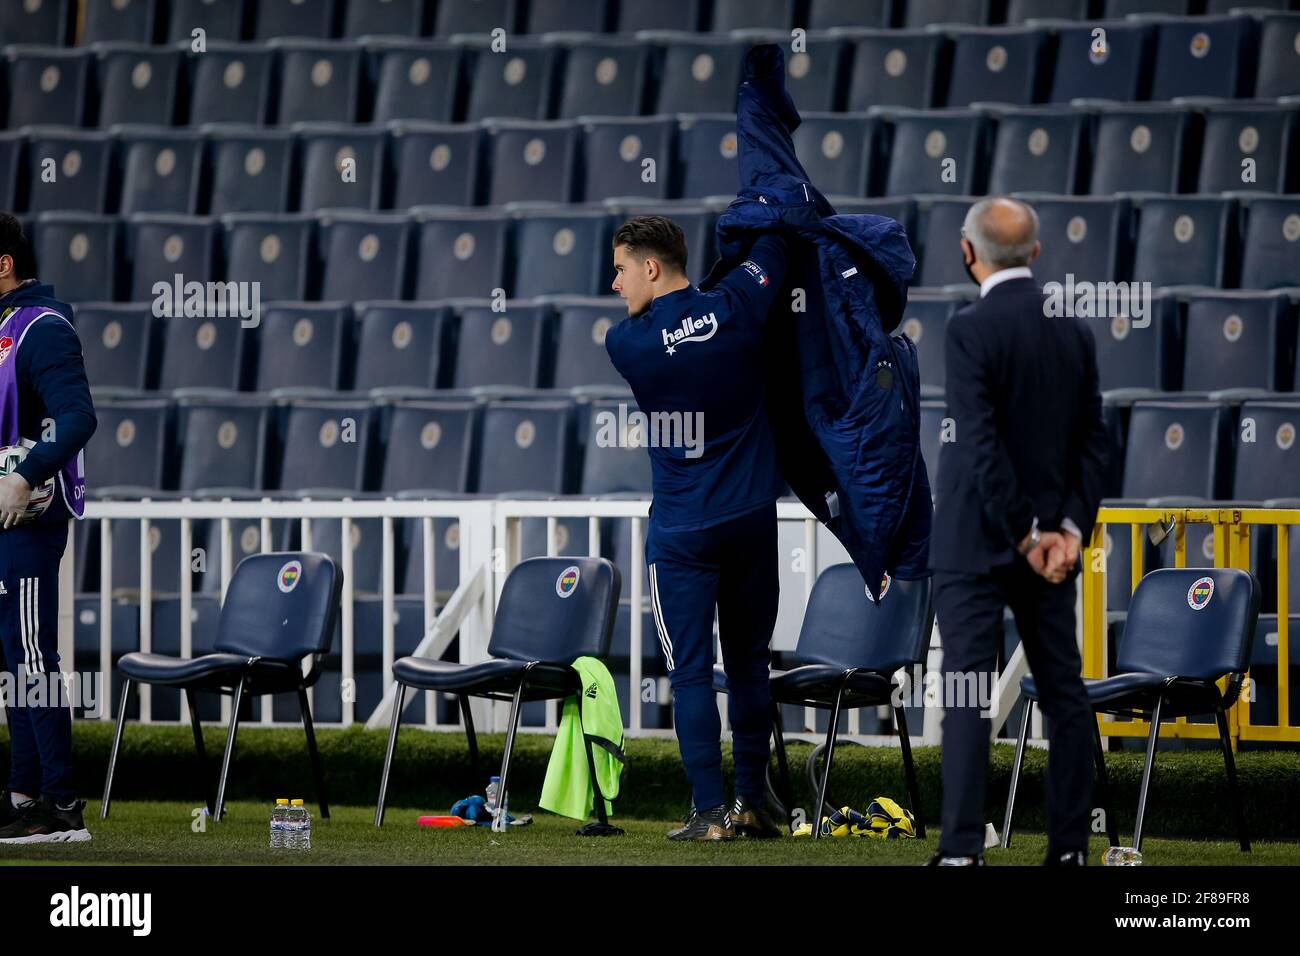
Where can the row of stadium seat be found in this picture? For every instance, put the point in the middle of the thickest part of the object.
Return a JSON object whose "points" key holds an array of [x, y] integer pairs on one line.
{"points": [[524, 251], [288, 81], [222, 169], [144, 21]]}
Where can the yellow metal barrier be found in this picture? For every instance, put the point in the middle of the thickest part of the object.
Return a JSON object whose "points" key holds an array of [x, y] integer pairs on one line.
{"points": [[1232, 532]]}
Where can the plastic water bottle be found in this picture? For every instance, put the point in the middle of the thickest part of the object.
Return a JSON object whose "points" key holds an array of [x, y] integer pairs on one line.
{"points": [[279, 822], [298, 835], [1122, 856], [493, 792]]}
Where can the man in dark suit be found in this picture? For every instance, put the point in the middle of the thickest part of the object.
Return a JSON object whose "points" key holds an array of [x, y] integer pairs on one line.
{"points": [[1020, 478]]}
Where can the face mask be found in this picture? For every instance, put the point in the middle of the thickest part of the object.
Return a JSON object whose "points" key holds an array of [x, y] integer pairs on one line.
{"points": [[967, 266]]}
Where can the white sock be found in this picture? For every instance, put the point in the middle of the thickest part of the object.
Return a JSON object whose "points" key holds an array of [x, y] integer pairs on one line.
{"points": [[18, 799]]}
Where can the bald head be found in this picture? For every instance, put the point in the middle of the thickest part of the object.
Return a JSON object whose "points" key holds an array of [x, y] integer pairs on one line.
{"points": [[1002, 233]]}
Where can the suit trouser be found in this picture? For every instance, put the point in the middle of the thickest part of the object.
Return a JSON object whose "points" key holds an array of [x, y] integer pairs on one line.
{"points": [[40, 731], [732, 567], [969, 611]]}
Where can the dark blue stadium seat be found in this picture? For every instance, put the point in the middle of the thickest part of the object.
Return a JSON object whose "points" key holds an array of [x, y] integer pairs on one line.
{"points": [[121, 21], [1239, 340], [696, 221], [926, 323], [80, 255], [245, 532], [1178, 449], [707, 149], [1265, 136], [897, 68], [314, 19], [252, 169], [446, 556], [223, 442], [753, 15], [835, 149], [527, 446], [161, 169], [816, 76], [998, 65], [1182, 240], [503, 348], [1127, 8], [436, 163], [460, 252], [1140, 352], [162, 246], [131, 446], [431, 446], [45, 23], [1083, 236], [318, 82], [137, 84], [611, 468], [552, 16], [475, 16], [1278, 56], [231, 83], [1271, 252], [519, 83], [302, 345], [222, 22], [939, 225], [323, 445], [399, 18], [1114, 67], [531, 162], [1205, 56], [920, 13], [342, 166], [901, 209], [46, 85], [933, 413], [605, 76], [117, 343], [700, 74], [615, 153], [402, 344], [1140, 148], [826, 14], [1038, 149], [204, 353], [580, 356], [1018, 11], [275, 250], [68, 169], [1266, 465], [561, 251], [12, 145], [937, 152], [416, 80], [364, 256]]}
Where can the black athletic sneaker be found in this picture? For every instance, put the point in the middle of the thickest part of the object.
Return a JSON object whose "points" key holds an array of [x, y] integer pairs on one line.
{"points": [[709, 826], [942, 859], [8, 812], [42, 821], [753, 821]]}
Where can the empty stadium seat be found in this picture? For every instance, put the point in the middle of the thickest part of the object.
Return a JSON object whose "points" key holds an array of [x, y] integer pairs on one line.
{"points": [[997, 65], [1204, 56], [1182, 240], [925, 322], [364, 256], [36, 23], [1086, 237], [920, 13], [816, 75], [460, 252], [580, 356], [323, 445], [131, 447], [163, 246], [1240, 340], [435, 163], [1140, 352], [614, 467], [700, 74], [901, 209], [1140, 148], [46, 85], [1271, 251], [1177, 449], [1038, 149], [753, 15], [1249, 147], [605, 76], [416, 80], [302, 345], [897, 68], [160, 169], [402, 344], [1279, 56], [231, 83], [430, 446], [939, 225], [275, 250], [252, 169], [446, 557], [531, 161], [223, 442], [1018, 11], [517, 83], [1114, 66], [1266, 465], [117, 343], [137, 84], [80, 255], [935, 152], [707, 151], [826, 14], [835, 150], [615, 153], [201, 352], [127, 21], [318, 82], [503, 348], [294, 18], [695, 219], [218, 21], [554, 16], [474, 16], [1128, 8], [342, 166], [68, 169], [12, 145], [559, 251], [527, 446], [401, 18]]}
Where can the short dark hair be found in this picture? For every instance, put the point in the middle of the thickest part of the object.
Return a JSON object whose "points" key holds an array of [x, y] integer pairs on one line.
{"points": [[654, 236], [14, 243]]}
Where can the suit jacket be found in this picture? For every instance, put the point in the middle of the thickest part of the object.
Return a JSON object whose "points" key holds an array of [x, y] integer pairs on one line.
{"points": [[1025, 434]]}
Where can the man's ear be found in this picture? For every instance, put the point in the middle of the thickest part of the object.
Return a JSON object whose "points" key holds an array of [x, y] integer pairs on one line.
{"points": [[1038, 247], [6, 266], [967, 252], [653, 270]]}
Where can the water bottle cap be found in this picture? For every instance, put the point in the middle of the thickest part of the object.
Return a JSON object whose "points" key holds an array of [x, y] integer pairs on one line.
{"points": [[297, 803], [282, 801], [494, 779]]}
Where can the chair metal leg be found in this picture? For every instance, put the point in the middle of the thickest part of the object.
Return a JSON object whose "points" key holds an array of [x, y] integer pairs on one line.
{"points": [[1103, 785], [499, 814], [1230, 765], [304, 705], [117, 745], [782, 762], [1025, 720], [388, 754], [230, 748], [200, 751], [830, 756], [909, 770], [471, 736], [1152, 737]]}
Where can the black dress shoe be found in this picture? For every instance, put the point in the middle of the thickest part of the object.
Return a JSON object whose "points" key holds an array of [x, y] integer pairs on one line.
{"points": [[1068, 858], [943, 859]]}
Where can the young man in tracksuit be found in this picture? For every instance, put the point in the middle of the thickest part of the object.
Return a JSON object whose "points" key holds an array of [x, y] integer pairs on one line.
{"points": [[694, 359], [45, 405]]}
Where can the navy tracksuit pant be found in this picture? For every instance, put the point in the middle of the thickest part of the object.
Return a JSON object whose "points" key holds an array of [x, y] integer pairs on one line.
{"points": [[732, 567], [40, 737]]}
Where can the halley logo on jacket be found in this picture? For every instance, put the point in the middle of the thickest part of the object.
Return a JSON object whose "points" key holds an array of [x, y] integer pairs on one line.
{"points": [[691, 330]]}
